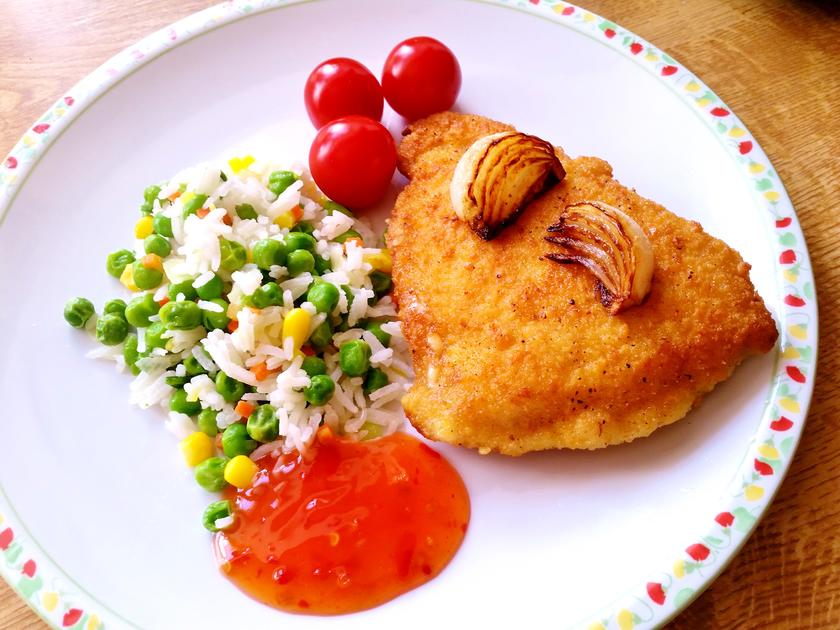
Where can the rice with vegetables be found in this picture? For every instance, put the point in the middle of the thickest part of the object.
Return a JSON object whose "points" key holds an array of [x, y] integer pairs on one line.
{"points": [[259, 312]]}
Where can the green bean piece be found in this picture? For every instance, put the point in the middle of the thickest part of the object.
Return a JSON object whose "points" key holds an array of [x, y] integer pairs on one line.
{"points": [[146, 208], [146, 277], [321, 336], [323, 296], [130, 354], [267, 295], [176, 381], [269, 252], [300, 240], [322, 265], [376, 329], [153, 336], [111, 329], [114, 307], [212, 289], [236, 441], [214, 320], [193, 367], [332, 206], [375, 379], [279, 181], [245, 211], [381, 283], [207, 422], [117, 261], [214, 512], [319, 391], [234, 255], [348, 293], [184, 288], [230, 389], [179, 403], [210, 474], [354, 357], [263, 425], [78, 311], [151, 193], [300, 261], [162, 224], [304, 226], [140, 309], [184, 315], [157, 244], [193, 204], [313, 366], [345, 235]]}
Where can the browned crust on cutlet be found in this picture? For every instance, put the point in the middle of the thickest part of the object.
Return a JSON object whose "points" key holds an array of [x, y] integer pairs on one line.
{"points": [[522, 355]]}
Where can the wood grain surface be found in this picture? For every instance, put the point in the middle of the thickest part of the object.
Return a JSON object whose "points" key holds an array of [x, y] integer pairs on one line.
{"points": [[776, 63]]}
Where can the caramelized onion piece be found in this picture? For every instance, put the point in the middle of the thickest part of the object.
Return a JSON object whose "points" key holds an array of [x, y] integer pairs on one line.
{"points": [[611, 245], [498, 176]]}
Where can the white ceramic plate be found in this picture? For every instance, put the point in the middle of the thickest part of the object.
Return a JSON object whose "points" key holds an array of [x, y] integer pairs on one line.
{"points": [[100, 518]]}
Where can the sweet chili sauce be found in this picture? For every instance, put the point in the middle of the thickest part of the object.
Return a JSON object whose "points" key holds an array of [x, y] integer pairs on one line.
{"points": [[346, 527]]}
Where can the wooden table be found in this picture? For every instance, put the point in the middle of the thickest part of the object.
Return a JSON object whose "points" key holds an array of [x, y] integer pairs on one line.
{"points": [[776, 63]]}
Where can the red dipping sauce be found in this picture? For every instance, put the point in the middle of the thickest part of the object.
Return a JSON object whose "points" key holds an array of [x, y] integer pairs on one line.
{"points": [[346, 527]]}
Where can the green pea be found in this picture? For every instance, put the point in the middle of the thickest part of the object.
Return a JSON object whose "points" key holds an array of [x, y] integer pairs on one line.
{"points": [[184, 288], [111, 329], [304, 226], [146, 277], [245, 211], [184, 315], [374, 380], [210, 474], [322, 265], [214, 512], [345, 235], [140, 309], [234, 255], [300, 261], [263, 425], [381, 282], [354, 357], [114, 307], [130, 354], [146, 207], [236, 441], [192, 204], [332, 206], [268, 252], [176, 381], [376, 329], [279, 181], [323, 296], [268, 294], [157, 244], [117, 261], [153, 336], [300, 240], [207, 422], [78, 311], [313, 366], [348, 293], [151, 193], [179, 403], [162, 225], [230, 389], [211, 289], [193, 367], [319, 391], [214, 320], [321, 336]]}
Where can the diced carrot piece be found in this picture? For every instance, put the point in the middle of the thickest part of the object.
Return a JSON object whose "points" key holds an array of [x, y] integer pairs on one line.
{"points": [[227, 220], [308, 351], [353, 239], [260, 371], [297, 213], [244, 408], [164, 301], [232, 325], [174, 195], [202, 212]]}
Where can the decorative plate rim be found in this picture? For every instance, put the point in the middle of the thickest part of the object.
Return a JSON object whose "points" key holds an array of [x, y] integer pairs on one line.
{"points": [[62, 603]]}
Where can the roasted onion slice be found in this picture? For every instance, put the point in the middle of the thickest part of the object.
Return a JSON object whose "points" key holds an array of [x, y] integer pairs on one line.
{"points": [[611, 245]]}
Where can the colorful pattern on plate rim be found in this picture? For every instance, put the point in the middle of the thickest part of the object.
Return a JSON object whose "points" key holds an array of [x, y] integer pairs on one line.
{"points": [[65, 605]]}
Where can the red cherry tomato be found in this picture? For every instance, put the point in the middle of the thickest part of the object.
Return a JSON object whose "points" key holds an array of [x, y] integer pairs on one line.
{"points": [[352, 160], [341, 87], [421, 76]]}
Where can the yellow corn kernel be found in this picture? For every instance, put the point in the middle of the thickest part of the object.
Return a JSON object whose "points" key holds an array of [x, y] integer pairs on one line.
{"points": [[239, 163], [285, 220], [296, 326], [143, 227], [380, 261], [196, 447], [127, 278], [240, 471]]}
